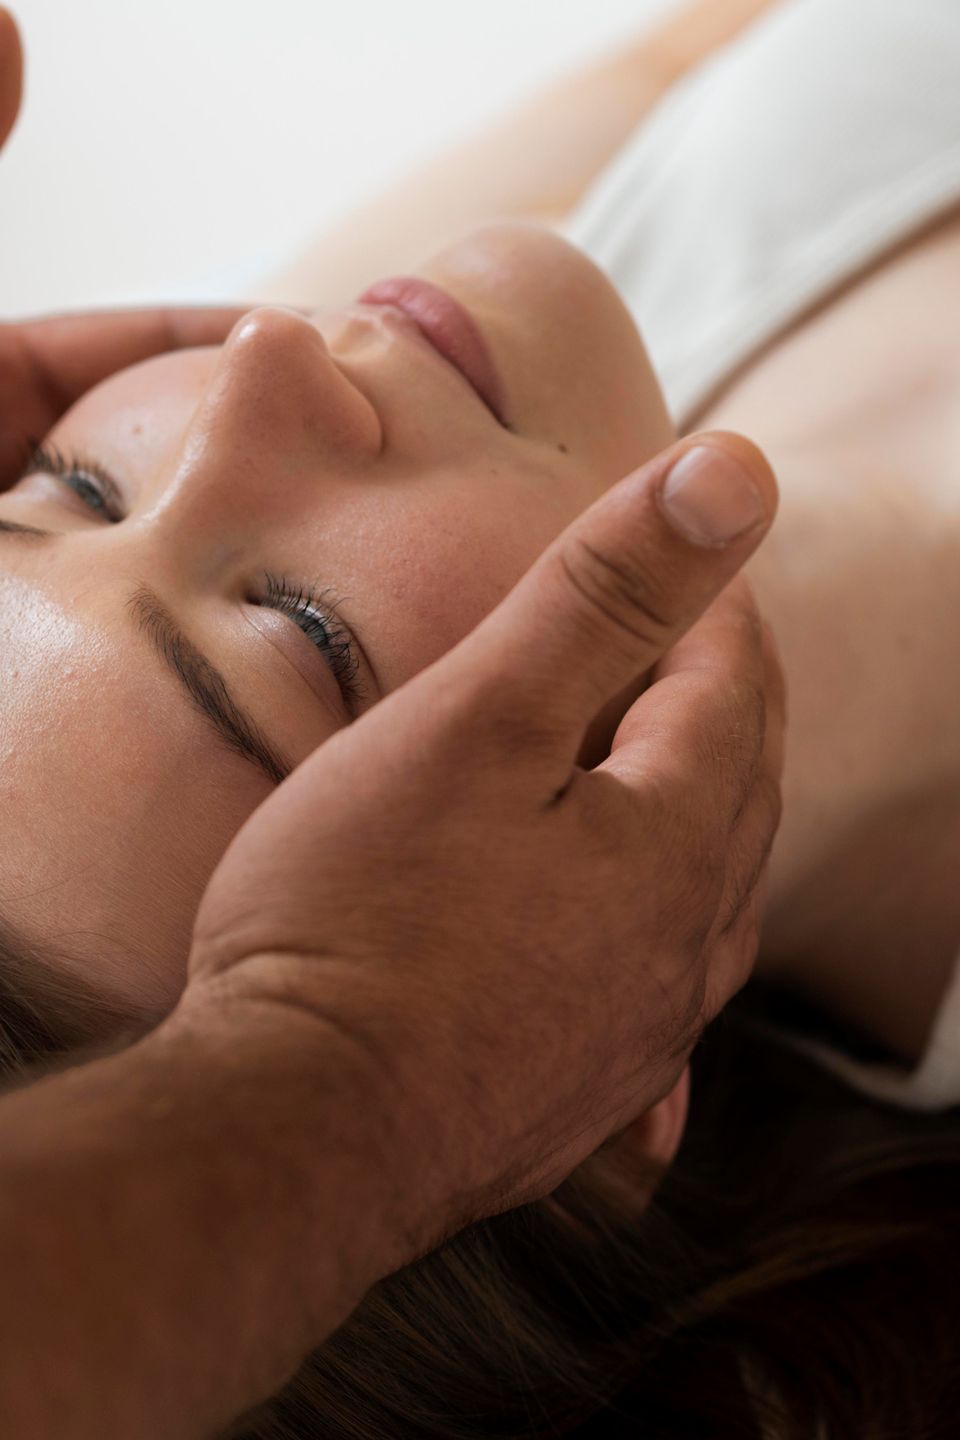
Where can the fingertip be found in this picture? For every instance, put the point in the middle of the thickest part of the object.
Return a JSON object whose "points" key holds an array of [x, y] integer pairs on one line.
{"points": [[719, 492], [11, 72], [751, 457], [10, 43]]}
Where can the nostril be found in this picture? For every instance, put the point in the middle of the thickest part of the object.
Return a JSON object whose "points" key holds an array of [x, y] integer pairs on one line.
{"points": [[282, 389]]}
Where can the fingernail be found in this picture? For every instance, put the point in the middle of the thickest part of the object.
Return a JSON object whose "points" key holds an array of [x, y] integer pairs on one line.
{"points": [[710, 498]]}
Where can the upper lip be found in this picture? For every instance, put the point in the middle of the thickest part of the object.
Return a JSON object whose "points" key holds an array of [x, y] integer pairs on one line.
{"points": [[449, 328]]}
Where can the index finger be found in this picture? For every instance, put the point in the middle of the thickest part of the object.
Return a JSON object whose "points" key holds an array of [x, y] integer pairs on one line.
{"points": [[701, 728], [47, 364]]}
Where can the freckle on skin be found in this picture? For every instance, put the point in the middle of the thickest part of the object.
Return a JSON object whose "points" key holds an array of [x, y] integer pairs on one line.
{"points": [[563, 448]]}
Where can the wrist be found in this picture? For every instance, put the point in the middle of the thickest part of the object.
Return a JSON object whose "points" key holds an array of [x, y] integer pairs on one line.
{"points": [[331, 1097], [186, 1218]]}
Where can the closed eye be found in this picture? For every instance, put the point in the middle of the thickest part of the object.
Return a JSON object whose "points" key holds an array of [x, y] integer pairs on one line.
{"points": [[86, 478], [315, 614]]}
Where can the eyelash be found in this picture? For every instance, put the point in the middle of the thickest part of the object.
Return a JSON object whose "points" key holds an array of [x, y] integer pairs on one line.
{"points": [[314, 614], [95, 484]]}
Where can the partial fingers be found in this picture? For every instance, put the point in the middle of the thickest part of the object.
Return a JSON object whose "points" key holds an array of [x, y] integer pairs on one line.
{"points": [[614, 592], [775, 681], [748, 853], [732, 957], [64, 355], [11, 73], [749, 849], [47, 364], [697, 734]]}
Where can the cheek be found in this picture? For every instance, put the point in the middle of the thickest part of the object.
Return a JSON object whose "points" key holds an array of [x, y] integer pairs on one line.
{"points": [[442, 567], [572, 357]]}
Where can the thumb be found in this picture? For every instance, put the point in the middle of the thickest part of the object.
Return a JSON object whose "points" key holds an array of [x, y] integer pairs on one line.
{"points": [[11, 73], [619, 587]]}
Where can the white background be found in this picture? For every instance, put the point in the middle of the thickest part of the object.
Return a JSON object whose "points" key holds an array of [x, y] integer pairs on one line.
{"points": [[165, 148]]}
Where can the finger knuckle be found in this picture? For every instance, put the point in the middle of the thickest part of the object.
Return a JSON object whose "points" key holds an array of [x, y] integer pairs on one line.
{"points": [[747, 699], [617, 594], [510, 720], [732, 748], [692, 866], [749, 855]]}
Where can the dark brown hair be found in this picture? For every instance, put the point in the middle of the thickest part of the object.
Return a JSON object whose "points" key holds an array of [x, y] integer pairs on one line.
{"points": [[796, 1277]]}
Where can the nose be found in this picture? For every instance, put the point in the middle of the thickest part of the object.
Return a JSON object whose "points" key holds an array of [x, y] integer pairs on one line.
{"points": [[276, 418]]}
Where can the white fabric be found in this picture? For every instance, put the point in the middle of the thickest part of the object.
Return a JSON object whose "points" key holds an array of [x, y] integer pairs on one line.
{"points": [[770, 175], [804, 151]]}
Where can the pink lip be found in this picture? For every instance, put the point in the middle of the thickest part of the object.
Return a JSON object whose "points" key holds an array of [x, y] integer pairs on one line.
{"points": [[449, 328]]}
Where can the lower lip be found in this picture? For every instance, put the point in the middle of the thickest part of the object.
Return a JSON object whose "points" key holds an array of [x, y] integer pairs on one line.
{"points": [[449, 328]]}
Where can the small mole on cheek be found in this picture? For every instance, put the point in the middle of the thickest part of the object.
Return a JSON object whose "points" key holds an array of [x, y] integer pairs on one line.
{"points": [[562, 448], [138, 429]]}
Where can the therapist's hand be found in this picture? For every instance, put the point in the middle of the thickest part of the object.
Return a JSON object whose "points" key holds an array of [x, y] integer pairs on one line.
{"points": [[47, 364], [523, 952]]}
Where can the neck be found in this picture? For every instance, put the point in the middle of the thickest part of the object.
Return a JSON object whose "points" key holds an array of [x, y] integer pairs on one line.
{"points": [[863, 911]]}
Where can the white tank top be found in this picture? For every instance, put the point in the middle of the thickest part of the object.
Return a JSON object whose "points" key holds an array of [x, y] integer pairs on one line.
{"points": [[822, 138]]}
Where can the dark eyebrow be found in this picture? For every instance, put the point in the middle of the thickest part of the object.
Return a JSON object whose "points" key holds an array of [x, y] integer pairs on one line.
{"points": [[205, 686]]}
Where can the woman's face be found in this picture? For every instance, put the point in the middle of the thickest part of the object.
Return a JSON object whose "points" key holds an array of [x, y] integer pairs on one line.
{"points": [[309, 459]]}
